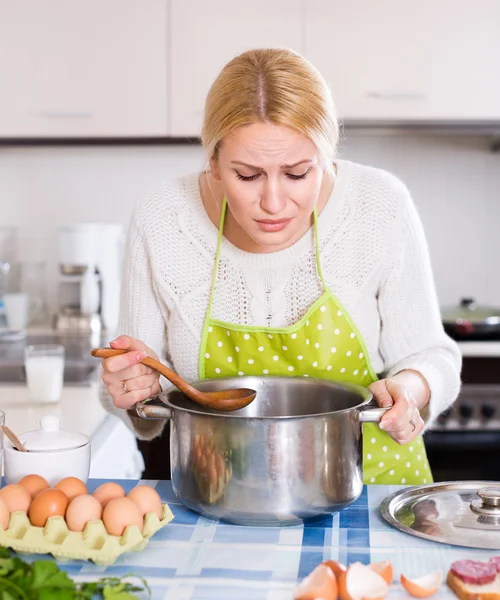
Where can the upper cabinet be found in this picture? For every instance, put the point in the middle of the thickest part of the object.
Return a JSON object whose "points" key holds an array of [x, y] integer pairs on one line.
{"points": [[83, 69], [431, 60], [206, 35]]}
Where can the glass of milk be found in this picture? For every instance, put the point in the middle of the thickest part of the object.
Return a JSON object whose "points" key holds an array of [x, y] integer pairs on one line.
{"points": [[44, 364]]}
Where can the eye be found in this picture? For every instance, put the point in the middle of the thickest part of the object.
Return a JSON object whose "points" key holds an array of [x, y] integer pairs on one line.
{"points": [[297, 177], [249, 178]]}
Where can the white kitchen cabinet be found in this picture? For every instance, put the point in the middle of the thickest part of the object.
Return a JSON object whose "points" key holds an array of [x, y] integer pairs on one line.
{"points": [[390, 60], [93, 68], [206, 35]]}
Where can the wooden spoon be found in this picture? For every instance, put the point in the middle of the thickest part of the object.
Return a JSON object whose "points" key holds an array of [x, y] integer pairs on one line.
{"points": [[226, 400], [16, 442]]}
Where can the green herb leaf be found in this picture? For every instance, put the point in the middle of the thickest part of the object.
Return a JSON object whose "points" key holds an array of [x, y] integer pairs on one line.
{"points": [[46, 574]]}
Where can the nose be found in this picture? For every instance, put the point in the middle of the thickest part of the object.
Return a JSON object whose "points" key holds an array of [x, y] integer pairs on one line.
{"points": [[272, 200]]}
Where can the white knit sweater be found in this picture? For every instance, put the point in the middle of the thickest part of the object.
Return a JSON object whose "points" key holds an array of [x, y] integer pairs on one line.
{"points": [[374, 257]]}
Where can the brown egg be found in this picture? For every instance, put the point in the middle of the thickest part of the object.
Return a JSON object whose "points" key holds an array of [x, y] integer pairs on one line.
{"points": [[48, 503], [4, 515], [147, 500], [34, 484], [81, 510], [119, 514], [16, 497], [108, 491], [72, 487]]}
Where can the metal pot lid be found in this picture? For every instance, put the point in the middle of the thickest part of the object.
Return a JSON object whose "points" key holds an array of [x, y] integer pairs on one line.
{"points": [[50, 438], [469, 310], [461, 513]]}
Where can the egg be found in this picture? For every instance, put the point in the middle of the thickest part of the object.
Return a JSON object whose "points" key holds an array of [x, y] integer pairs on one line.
{"points": [[48, 503], [360, 582], [72, 487], [335, 567], [34, 484], [81, 510], [424, 586], [16, 497], [320, 584], [4, 515], [119, 514], [383, 568], [147, 500], [108, 491]]}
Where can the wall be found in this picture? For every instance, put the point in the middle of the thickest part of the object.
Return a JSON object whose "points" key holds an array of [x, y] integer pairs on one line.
{"points": [[455, 182]]}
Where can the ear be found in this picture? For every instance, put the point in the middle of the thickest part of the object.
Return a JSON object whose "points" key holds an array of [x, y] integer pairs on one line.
{"points": [[214, 169]]}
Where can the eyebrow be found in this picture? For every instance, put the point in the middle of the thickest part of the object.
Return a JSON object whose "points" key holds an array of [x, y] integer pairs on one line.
{"points": [[300, 162]]}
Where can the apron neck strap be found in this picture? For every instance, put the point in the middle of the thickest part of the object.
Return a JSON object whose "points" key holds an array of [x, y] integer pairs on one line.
{"points": [[316, 245], [217, 254], [219, 245]]}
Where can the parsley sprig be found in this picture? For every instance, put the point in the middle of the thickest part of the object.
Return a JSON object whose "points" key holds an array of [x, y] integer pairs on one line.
{"points": [[43, 580]]}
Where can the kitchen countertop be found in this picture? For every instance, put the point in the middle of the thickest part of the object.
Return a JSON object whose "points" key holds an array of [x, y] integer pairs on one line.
{"points": [[78, 410], [194, 558]]}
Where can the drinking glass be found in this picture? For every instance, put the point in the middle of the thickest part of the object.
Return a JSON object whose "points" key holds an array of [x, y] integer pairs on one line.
{"points": [[44, 364]]}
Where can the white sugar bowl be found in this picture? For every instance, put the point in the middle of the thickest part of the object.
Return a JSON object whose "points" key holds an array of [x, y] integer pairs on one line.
{"points": [[53, 453]]}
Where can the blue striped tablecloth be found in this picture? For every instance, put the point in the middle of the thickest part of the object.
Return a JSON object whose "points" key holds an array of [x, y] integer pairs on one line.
{"points": [[194, 558]]}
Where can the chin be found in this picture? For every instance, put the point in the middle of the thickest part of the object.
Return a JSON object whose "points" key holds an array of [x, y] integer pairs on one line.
{"points": [[273, 240]]}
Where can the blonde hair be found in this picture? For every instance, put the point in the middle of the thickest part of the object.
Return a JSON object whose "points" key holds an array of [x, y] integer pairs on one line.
{"points": [[273, 85]]}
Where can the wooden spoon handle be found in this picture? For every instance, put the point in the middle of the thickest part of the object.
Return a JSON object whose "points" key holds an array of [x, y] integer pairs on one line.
{"points": [[154, 364], [16, 442]]}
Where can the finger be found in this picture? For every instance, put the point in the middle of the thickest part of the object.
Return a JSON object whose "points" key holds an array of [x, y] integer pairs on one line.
{"points": [[410, 432], [125, 342], [404, 406], [141, 383], [123, 361], [129, 399], [381, 394], [131, 373]]}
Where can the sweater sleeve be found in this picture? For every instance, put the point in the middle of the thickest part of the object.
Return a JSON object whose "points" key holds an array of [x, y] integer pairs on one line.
{"points": [[412, 334], [143, 317]]}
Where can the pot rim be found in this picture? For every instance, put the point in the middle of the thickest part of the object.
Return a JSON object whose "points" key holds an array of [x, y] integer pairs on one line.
{"points": [[363, 393]]}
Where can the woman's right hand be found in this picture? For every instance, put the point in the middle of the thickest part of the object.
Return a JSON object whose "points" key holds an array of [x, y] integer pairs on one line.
{"points": [[128, 381]]}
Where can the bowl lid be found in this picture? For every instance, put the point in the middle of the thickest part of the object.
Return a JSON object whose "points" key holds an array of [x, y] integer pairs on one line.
{"points": [[51, 437]]}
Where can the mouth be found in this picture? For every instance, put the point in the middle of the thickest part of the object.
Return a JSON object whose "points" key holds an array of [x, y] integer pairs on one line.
{"points": [[271, 225]]}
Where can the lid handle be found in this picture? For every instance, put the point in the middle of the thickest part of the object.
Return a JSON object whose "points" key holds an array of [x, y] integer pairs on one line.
{"points": [[49, 423], [490, 497], [490, 502]]}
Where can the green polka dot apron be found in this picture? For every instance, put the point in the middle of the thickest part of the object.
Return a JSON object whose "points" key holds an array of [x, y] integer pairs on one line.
{"points": [[324, 344]]}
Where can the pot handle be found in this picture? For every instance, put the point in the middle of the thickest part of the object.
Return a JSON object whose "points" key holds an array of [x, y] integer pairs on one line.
{"points": [[153, 409], [372, 412]]}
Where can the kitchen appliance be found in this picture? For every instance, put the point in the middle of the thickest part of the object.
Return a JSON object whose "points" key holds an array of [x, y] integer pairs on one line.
{"points": [[472, 322], [52, 453], [293, 454], [462, 513], [90, 263], [464, 442]]}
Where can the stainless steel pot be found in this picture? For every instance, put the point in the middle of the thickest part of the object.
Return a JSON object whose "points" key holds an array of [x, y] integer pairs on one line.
{"points": [[293, 454]]}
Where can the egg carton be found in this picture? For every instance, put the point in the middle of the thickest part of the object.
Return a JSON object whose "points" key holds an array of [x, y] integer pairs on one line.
{"points": [[93, 543]]}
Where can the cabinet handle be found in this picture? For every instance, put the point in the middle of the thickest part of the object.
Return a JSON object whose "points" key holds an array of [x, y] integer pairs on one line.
{"points": [[65, 114], [395, 95]]}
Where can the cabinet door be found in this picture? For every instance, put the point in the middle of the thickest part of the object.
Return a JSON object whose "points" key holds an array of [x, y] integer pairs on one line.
{"points": [[93, 68], [206, 35], [393, 60]]}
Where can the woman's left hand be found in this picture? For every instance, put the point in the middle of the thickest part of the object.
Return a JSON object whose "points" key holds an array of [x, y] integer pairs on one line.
{"points": [[403, 422]]}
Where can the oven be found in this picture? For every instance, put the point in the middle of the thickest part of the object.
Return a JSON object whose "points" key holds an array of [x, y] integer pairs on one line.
{"points": [[464, 443]]}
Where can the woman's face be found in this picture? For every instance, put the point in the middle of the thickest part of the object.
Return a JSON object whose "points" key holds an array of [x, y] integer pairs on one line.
{"points": [[272, 177]]}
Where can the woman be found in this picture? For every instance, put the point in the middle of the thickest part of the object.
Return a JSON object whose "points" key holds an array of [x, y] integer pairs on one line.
{"points": [[281, 259]]}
